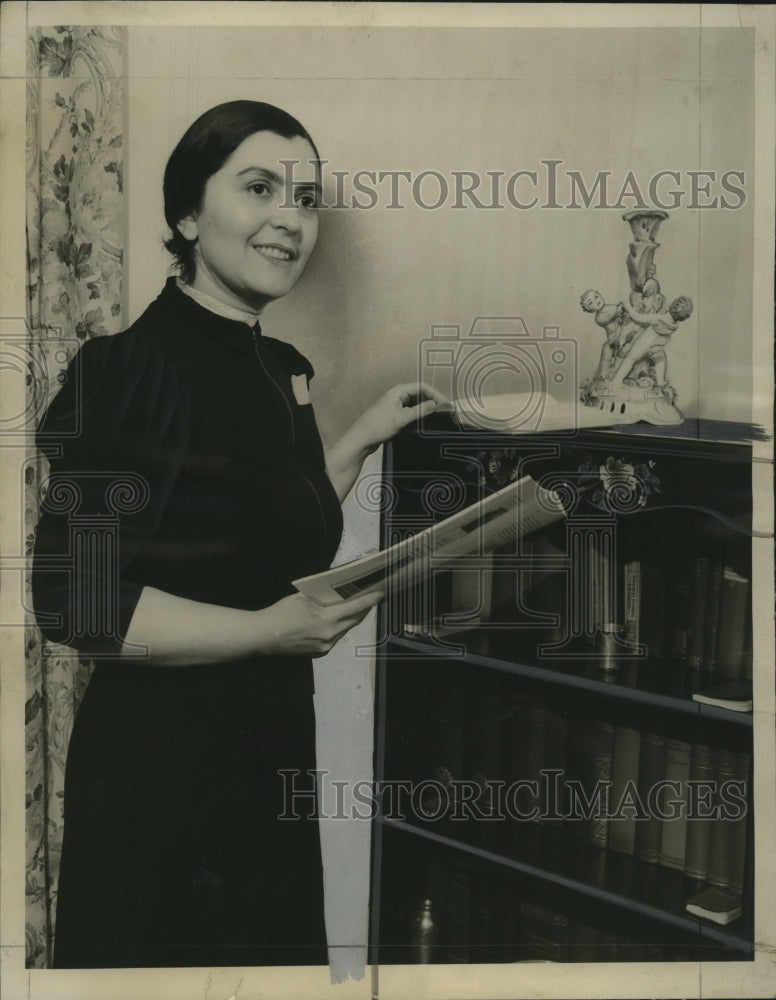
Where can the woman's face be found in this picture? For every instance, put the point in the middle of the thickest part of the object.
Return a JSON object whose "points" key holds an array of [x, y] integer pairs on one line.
{"points": [[258, 223]]}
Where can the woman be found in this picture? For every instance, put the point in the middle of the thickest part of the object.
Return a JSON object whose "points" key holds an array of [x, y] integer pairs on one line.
{"points": [[193, 491]]}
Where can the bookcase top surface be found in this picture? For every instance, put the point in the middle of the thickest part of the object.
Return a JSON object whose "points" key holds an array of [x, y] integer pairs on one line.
{"points": [[693, 431]]}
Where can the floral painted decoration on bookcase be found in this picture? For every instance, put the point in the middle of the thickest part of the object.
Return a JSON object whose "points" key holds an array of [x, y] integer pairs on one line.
{"points": [[618, 484]]}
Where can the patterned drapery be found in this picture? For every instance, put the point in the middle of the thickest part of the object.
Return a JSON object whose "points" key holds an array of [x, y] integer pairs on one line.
{"points": [[74, 243]]}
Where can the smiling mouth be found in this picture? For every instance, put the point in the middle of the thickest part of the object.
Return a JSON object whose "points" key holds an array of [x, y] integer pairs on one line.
{"points": [[275, 252]]}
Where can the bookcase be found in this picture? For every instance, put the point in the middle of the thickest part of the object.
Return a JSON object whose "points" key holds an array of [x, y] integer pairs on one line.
{"points": [[549, 785]]}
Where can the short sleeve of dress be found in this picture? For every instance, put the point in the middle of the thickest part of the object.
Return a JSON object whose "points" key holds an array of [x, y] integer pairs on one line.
{"points": [[292, 360], [115, 437]]}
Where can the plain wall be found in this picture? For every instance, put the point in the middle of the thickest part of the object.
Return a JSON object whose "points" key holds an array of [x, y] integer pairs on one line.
{"points": [[641, 100]]}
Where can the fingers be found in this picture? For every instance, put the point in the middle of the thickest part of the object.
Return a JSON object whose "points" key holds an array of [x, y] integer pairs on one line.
{"points": [[412, 393], [358, 605], [439, 397], [347, 615]]}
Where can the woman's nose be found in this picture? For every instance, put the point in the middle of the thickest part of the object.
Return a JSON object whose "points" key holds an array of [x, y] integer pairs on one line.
{"points": [[285, 216]]}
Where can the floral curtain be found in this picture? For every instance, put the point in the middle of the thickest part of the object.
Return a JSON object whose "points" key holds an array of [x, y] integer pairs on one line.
{"points": [[75, 240]]}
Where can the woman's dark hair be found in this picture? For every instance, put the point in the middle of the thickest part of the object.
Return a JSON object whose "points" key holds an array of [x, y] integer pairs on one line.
{"points": [[206, 145]]}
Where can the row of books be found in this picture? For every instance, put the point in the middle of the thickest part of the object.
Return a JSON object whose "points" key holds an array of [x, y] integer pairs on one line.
{"points": [[692, 609], [463, 917], [666, 798], [688, 602]]}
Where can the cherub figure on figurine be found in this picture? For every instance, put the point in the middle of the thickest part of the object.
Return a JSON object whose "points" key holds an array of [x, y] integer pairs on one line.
{"points": [[612, 318], [647, 344]]}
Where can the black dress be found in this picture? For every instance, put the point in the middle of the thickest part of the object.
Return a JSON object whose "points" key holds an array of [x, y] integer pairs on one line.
{"points": [[181, 460]]}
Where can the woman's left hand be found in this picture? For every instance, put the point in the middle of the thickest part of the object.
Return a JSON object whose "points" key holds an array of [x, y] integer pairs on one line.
{"points": [[396, 408]]}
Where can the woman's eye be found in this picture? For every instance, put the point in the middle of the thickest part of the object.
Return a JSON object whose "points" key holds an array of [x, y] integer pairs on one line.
{"points": [[307, 201], [260, 188]]}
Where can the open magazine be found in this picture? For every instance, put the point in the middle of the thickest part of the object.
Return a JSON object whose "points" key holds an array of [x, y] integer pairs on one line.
{"points": [[516, 510]]}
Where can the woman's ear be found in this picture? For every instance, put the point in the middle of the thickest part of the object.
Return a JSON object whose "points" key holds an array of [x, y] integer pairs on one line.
{"points": [[188, 228]]}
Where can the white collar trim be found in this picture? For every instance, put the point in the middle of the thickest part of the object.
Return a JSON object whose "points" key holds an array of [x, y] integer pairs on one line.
{"points": [[219, 308]]}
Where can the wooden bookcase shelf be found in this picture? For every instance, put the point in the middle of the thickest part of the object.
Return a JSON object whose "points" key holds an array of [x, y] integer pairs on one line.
{"points": [[639, 682], [647, 890], [490, 682]]}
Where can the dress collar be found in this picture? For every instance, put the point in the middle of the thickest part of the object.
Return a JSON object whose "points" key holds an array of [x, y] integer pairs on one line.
{"points": [[235, 333]]}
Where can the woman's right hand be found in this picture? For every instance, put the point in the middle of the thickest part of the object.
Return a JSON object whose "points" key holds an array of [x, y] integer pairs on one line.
{"points": [[298, 626]]}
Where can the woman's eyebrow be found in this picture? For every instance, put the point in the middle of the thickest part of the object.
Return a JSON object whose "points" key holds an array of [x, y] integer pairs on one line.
{"points": [[276, 178]]}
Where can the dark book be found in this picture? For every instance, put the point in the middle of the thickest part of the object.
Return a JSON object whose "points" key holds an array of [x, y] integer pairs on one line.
{"points": [[544, 596], [652, 769], [681, 609], [625, 773], [675, 829], [589, 752], [711, 618], [696, 858], [536, 724], [444, 747], [702, 611], [654, 584], [578, 753], [554, 767], [734, 607], [601, 777], [485, 943], [514, 739], [457, 915], [721, 858], [718, 905], [739, 826], [482, 757], [735, 695], [544, 933]]}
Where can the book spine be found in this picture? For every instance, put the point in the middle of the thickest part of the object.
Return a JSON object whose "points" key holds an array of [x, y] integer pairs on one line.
{"points": [[740, 827], [482, 757], [554, 766], [700, 612], [712, 617], [680, 609], [601, 777], [721, 859], [514, 728], [732, 627], [545, 603], [654, 579], [675, 829], [486, 923], [534, 755], [696, 859], [625, 771], [445, 747], [652, 766], [632, 601], [457, 916]]}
